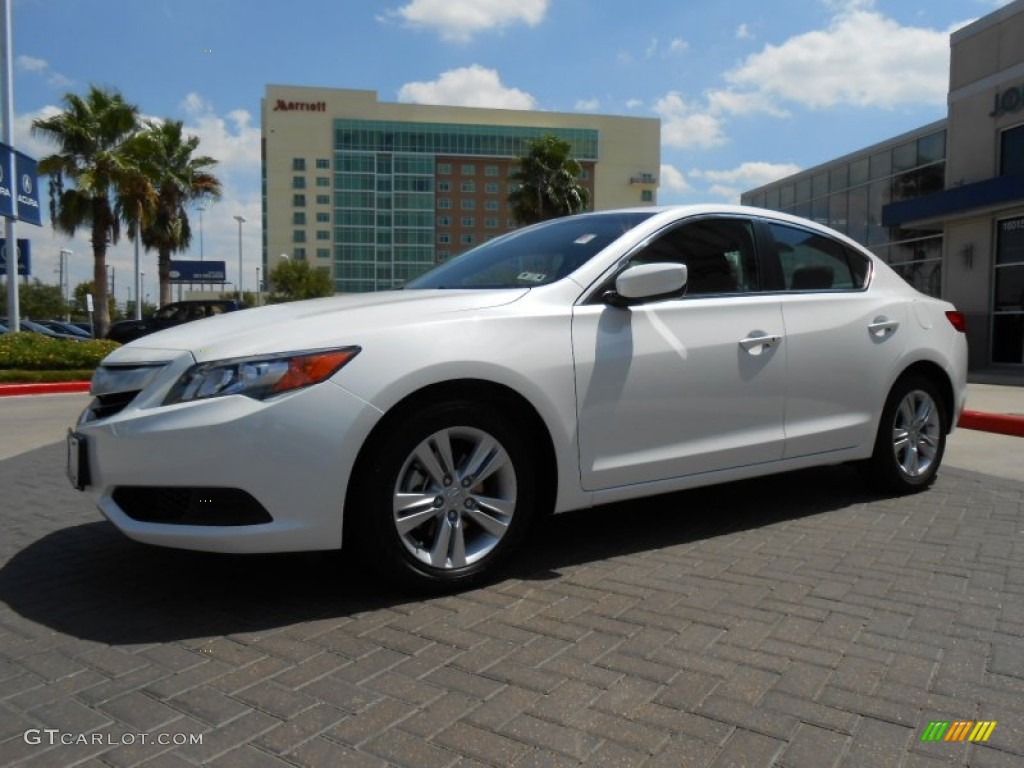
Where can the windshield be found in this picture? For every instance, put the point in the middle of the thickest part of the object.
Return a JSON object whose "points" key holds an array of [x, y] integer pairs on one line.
{"points": [[533, 256]]}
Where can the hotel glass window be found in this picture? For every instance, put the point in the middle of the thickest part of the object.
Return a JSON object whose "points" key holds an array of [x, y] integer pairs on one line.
{"points": [[444, 186], [491, 205], [298, 163], [299, 218], [323, 181], [323, 253], [468, 186], [803, 189], [444, 203], [323, 218], [444, 168], [444, 237], [298, 200], [647, 195], [444, 221], [491, 222], [299, 236], [323, 199], [299, 253], [467, 239], [468, 169], [819, 185], [839, 178], [1011, 154], [468, 221], [859, 172], [491, 188], [1008, 301], [490, 170], [298, 182], [904, 156], [468, 205], [323, 163]]}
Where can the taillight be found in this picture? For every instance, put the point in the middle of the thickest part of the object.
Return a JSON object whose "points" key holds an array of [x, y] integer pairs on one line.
{"points": [[957, 320]]}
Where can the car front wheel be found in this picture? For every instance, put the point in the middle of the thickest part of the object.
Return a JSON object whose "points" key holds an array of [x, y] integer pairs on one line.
{"points": [[447, 495], [911, 438]]}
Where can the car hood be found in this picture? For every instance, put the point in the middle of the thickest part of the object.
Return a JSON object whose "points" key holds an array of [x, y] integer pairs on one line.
{"points": [[309, 324]]}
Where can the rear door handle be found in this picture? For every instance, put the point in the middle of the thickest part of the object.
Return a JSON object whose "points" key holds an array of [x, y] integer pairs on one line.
{"points": [[759, 343], [882, 326]]}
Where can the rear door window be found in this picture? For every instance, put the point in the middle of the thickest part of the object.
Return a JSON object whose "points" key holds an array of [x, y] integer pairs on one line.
{"points": [[811, 261]]}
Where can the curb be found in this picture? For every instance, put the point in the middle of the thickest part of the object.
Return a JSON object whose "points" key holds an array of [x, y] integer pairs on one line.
{"points": [[999, 423], [44, 388]]}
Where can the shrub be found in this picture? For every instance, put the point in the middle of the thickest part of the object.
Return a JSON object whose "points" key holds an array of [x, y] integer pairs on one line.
{"points": [[37, 352]]}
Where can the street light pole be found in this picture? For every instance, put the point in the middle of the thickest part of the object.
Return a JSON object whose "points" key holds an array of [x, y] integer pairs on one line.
{"points": [[240, 221], [65, 277]]}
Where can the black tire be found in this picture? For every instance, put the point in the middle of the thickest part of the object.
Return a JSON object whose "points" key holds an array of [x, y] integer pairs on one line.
{"points": [[911, 439], [451, 530]]}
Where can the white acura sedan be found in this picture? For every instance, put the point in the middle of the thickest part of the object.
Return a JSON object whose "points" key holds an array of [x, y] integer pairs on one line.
{"points": [[580, 361]]}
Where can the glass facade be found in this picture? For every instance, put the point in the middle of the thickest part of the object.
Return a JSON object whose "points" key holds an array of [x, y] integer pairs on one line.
{"points": [[385, 184], [849, 196]]}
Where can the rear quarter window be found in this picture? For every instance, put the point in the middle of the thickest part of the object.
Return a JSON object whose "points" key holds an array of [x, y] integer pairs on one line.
{"points": [[811, 261]]}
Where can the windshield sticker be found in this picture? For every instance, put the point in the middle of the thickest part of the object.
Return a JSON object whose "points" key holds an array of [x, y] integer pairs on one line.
{"points": [[584, 239], [531, 277]]}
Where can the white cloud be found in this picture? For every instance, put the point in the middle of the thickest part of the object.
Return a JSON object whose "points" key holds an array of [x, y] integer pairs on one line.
{"points": [[743, 103], [678, 45], [672, 179], [743, 32], [588, 105], [460, 20], [675, 46], [31, 64], [232, 140], [862, 58], [685, 127], [634, 103], [472, 86], [42, 67], [728, 184]]}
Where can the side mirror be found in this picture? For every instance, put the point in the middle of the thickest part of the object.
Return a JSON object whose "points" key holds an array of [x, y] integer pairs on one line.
{"points": [[646, 281]]}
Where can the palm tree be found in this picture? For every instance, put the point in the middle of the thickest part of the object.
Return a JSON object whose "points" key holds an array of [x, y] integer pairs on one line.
{"points": [[549, 184], [90, 134], [165, 153]]}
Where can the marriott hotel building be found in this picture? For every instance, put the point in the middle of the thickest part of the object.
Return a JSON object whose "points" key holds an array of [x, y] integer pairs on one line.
{"points": [[944, 204], [376, 193]]}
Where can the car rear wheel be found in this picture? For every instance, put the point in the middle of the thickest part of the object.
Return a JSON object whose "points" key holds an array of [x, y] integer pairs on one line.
{"points": [[911, 438], [446, 496]]}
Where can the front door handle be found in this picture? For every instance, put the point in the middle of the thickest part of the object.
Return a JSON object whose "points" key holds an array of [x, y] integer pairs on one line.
{"points": [[758, 344], [882, 326]]}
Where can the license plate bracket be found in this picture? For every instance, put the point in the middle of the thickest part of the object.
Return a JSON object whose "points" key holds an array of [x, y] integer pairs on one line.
{"points": [[78, 461]]}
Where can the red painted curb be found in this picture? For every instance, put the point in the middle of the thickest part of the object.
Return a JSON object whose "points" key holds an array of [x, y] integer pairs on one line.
{"points": [[46, 388], [999, 423]]}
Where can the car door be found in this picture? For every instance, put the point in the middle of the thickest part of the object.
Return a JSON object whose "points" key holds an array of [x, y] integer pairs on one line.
{"points": [[843, 342], [684, 385]]}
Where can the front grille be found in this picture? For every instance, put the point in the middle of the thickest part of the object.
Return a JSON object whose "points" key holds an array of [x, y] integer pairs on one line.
{"points": [[104, 406], [190, 506]]}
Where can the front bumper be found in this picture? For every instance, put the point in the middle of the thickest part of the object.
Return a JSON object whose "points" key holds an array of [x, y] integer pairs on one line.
{"points": [[292, 454]]}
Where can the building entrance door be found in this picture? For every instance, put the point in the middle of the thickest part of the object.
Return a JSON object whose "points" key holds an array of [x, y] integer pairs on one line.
{"points": [[1008, 296]]}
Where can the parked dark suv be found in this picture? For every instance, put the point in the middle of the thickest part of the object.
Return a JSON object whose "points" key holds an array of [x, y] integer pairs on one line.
{"points": [[169, 315]]}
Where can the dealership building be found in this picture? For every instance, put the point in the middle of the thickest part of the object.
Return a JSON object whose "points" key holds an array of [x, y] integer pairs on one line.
{"points": [[377, 192], [944, 204]]}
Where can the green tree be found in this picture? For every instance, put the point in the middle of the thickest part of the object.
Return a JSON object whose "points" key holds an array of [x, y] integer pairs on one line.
{"points": [[548, 182], [80, 304], [39, 301], [292, 280], [89, 174], [165, 153]]}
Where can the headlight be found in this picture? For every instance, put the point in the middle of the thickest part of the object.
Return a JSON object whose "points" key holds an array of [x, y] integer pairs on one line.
{"points": [[259, 377]]}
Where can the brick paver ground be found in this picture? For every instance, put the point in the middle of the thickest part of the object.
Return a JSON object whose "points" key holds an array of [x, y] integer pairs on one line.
{"points": [[795, 621]]}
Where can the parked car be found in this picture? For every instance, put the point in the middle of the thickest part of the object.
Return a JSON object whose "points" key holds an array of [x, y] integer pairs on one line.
{"points": [[59, 326], [30, 326], [170, 315], [584, 360]]}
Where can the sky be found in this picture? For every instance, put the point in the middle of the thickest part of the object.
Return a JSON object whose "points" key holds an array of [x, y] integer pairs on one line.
{"points": [[747, 91]]}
